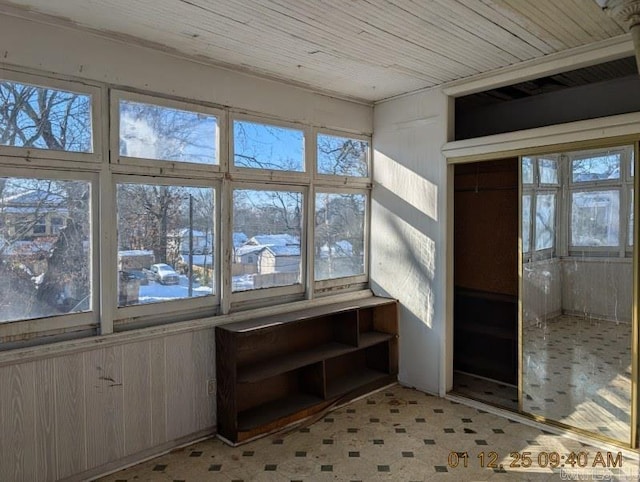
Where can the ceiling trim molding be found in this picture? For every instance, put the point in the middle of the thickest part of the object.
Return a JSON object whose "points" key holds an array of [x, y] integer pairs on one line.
{"points": [[541, 138]]}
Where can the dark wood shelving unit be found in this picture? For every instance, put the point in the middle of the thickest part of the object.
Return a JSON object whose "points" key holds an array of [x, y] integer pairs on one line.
{"points": [[280, 369]]}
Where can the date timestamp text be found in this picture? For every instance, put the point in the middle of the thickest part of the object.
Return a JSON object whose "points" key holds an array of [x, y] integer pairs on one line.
{"points": [[552, 460]]}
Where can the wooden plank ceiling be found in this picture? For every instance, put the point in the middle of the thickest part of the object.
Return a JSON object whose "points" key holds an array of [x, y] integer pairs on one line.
{"points": [[363, 49]]}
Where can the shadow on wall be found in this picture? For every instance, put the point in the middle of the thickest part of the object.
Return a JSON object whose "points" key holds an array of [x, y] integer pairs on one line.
{"points": [[404, 267]]}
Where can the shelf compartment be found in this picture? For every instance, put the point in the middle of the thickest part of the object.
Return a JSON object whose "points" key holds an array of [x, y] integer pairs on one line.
{"points": [[358, 369], [276, 410], [278, 340], [285, 363], [308, 379]]}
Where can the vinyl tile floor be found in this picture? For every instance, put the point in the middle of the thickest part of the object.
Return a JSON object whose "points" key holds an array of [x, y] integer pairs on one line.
{"points": [[396, 434]]}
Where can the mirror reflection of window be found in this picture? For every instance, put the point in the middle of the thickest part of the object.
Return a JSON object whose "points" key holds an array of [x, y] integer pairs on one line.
{"points": [[577, 283]]}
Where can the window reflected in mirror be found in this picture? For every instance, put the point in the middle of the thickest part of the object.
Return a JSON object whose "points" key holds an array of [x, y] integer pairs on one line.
{"points": [[577, 288]]}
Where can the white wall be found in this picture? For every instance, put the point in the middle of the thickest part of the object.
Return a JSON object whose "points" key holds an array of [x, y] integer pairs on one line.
{"points": [[593, 287], [600, 288], [409, 224], [541, 290]]}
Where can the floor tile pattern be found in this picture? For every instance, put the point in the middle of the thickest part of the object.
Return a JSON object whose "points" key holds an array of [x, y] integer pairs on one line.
{"points": [[397, 434], [578, 371]]}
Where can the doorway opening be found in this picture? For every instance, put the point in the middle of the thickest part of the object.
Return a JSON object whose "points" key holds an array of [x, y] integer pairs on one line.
{"points": [[485, 317]]}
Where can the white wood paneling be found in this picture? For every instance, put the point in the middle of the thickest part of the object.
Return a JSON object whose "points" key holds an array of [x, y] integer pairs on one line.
{"points": [[18, 424], [45, 419], [365, 49], [104, 405], [70, 415], [65, 416], [158, 399], [136, 386]]}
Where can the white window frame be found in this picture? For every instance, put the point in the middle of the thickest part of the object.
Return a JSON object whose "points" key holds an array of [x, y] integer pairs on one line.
{"points": [[209, 304], [538, 188], [623, 184], [239, 297], [347, 281], [162, 166], [58, 324], [104, 168], [26, 155], [265, 175]]}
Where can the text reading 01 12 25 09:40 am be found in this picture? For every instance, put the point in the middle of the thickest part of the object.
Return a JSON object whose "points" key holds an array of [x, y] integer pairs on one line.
{"points": [[552, 460]]}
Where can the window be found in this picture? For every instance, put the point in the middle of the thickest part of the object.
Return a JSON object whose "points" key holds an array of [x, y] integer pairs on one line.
{"points": [[540, 187], [595, 218], [150, 131], [545, 221], [56, 225], [160, 228], [341, 156], [596, 168], [44, 118], [548, 171], [339, 235], [267, 147], [272, 222], [601, 194], [44, 276], [135, 235]]}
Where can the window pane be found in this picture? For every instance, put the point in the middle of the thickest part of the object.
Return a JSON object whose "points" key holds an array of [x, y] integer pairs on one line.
{"points": [[596, 168], [526, 223], [545, 221], [45, 248], [42, 118], [339, 235], [548, 171], [342, 156], [164, 232], [595, 218], [155, 132], [527, 170], [263, 146], [271, 222]]}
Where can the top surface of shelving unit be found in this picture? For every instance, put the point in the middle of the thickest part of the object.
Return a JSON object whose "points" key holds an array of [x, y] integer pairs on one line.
{"points": [[306, 313]]}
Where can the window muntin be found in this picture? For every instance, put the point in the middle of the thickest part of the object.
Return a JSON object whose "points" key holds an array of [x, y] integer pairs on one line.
{"points": [[272, 222], [150, 131], [545, 221], [157, 226], [598, 167], [342, 156], [595, 218], [44, 274], [267, 147], [45, 118], [339, 244]]}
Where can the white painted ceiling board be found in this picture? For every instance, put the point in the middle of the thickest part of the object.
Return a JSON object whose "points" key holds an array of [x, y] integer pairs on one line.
{"points": [[362, 49]]}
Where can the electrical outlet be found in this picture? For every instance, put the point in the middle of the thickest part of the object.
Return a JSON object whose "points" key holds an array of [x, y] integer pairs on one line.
{"points": [[211, 387]]}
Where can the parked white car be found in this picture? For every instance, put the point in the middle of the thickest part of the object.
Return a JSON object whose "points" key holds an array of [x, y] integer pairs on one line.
{"points": [[164, 274]]}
